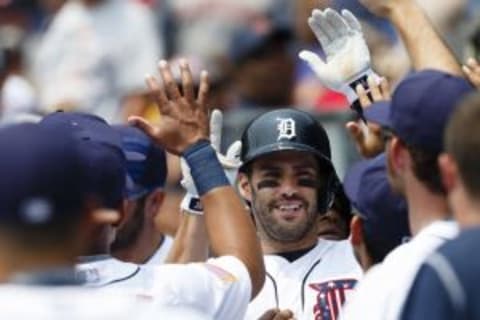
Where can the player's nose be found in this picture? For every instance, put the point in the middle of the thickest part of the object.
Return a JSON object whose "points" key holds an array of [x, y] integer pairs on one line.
{"points": [[288, 187]]}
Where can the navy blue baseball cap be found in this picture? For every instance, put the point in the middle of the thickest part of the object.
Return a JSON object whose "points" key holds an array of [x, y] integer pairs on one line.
{"points": [[101, 150], [42, 176], [384, 213], [420, 107], [379, 113], [146, 162], [249, 39]]}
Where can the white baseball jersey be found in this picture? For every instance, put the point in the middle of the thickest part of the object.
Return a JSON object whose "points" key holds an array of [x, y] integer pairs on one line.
{"points": [[313, 286], [161, 254], [384, 289], [220, 288], [26, 302]]}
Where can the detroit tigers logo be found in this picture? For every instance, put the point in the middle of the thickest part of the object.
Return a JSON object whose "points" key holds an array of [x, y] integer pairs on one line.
{"points": [[330, 297], [286, 128]]}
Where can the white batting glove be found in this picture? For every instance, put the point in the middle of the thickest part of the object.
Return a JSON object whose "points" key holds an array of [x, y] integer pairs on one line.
{"points": [[347, 56], [230, 163]]}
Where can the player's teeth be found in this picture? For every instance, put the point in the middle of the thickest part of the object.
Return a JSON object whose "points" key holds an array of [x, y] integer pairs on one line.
{"points": [[289, 207]]}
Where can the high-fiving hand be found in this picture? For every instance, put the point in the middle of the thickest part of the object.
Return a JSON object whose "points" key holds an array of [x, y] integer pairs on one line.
{"points": [[184, 114], [347, 56]]}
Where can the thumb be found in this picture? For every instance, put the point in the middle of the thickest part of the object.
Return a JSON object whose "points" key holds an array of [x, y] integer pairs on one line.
{"points": [[233, 152], [315, 63], [143, 125], [311, 58], [354, 130]]}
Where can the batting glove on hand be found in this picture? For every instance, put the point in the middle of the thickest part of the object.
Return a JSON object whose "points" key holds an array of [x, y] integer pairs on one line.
{"points": [[230, 163], [347, 55]]}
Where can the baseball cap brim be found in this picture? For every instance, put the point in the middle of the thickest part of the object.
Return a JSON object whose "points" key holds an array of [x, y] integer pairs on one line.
{"points": [[379, 113]]}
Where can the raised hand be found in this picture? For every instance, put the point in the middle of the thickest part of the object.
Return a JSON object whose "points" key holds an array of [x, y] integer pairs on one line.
{"points": [[368, 138], [184, 114], [347, 55]]}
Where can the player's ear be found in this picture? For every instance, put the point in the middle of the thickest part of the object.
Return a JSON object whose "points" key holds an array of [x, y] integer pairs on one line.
{"points": [[244, 187], [449, 172], [356, 230], [397, 154], [153, 202]]}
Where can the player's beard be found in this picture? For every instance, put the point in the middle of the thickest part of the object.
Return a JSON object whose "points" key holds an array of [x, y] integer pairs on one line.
{"points": [[278, 231], [130, 232]]}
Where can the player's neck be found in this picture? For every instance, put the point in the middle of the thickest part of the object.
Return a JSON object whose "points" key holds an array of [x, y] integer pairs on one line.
{"points": [[142, 249], [271, 246], [424, 207]]}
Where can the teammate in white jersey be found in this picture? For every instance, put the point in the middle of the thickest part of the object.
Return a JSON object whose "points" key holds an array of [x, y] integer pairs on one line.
{"points": [[230, 281], [44, 203], [412, 161]]}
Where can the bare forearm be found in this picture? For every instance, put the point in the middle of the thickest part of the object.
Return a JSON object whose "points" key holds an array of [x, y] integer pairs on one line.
{"points": [[231, 232], [191, 241], [426, 48]]}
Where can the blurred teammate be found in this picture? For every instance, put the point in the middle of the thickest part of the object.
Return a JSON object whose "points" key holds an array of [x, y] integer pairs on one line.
{"points": [[381, 218], [44, 208], [447, 285], [137, 239], [221, 287], [412, 167]]}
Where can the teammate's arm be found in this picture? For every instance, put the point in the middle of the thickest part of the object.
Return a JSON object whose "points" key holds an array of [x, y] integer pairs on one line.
{"points": [[183, 130], [191, 241], [426, 48]]}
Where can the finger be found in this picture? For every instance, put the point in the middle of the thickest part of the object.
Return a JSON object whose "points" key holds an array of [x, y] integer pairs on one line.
{"points": [[143, 125], [385, 88], [203, 90], [187, 80], [337, 22], [315, 63], [374, 89], [269, 314], [354, 130], [473, 77], [284, 315], [216, 120], [351, 20], [169, 81], [362, 96], [233, 152], [322, 25], [328, 29], [319, 34], [473, 64], [159, 94]]}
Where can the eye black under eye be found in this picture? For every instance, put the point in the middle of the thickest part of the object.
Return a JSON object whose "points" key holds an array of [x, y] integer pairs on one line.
{"points": [[307, 182], [268, 183]]}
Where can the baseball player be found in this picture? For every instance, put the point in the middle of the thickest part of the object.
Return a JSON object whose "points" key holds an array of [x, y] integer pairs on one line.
{"points": [[412, 166], [44, 205], [447, 285], [221, 287], [288, 179], [137, 239], [381, 219]]}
